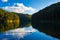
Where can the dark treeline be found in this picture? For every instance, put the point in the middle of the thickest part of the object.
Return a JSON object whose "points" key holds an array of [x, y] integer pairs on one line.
{"points": [[47, 20], [25, 20]]}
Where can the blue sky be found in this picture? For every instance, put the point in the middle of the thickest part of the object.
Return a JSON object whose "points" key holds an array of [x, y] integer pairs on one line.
{"points": [[35, 5]]}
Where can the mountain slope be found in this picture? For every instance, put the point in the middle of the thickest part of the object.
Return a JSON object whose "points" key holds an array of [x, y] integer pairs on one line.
{"points": [[47, 20]]}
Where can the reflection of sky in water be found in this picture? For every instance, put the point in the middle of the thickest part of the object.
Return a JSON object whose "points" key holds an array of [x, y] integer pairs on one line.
{"points": [[24, 34]]}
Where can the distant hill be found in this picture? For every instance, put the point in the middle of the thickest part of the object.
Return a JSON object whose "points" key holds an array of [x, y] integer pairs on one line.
{"points": [[47, 20]]}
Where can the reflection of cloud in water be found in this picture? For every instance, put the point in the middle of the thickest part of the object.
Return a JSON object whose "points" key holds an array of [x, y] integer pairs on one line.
{"points": [[20, 32], [24, 33]]}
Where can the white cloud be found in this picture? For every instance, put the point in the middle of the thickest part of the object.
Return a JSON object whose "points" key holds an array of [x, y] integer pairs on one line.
{"points": [[4, 0], [19, 32], [20, 8]]}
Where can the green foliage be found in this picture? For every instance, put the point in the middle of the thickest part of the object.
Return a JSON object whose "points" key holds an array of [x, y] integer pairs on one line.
{"points": [[8, 20]]}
